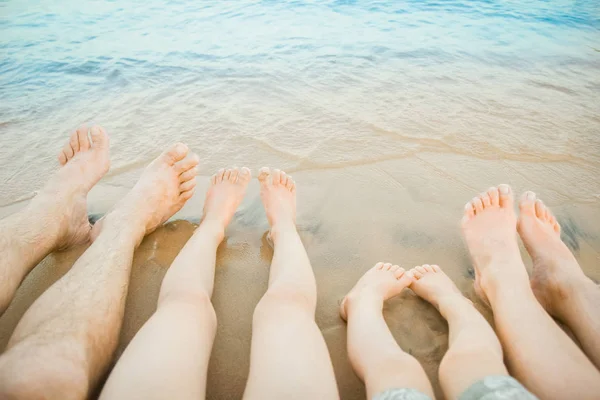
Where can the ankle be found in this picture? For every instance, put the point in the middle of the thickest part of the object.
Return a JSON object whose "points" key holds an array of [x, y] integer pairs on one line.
{"points": [[361, 299], [281, 229], [213, 228]]}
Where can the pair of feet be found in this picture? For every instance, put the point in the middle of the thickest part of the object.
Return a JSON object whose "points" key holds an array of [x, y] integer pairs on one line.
{"points": [[162, 190], [489, 227]]}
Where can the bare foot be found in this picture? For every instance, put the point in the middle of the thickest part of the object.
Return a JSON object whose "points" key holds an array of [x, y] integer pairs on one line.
{"points": [[489, 228], [278, 194], [84, 160], [433, 285], [162, 190], [225, 194], [383, 281], [555, 270]]}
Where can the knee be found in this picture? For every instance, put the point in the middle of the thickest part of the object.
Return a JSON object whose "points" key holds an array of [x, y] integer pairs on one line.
{"points": [[197, 303], [60, 380], [283, 299]]}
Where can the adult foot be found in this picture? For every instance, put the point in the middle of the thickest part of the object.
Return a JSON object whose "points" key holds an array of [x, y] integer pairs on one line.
{"points": [[162, 190], [489, 228], [278, 194], [556, 272], [381, 282], [84, 160], [433, 285], [226, 192]]}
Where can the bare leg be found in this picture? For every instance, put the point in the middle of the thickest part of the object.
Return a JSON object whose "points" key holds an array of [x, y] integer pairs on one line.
{"points": [[57, 216], [558, 281], [168, 358], [289, 358], [375, 356], [474, 351], [64, 342], [538, 352]]}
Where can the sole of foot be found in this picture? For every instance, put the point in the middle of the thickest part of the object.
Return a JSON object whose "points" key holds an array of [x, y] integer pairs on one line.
{"points": [[489, 227], [381, 282], [432, 284], [556, 272], [84, 160], [162, 190], [225, 194], [278, 194]]}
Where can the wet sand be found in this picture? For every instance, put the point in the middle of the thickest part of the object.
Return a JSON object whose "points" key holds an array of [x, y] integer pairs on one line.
{"points": [[403, 210]]}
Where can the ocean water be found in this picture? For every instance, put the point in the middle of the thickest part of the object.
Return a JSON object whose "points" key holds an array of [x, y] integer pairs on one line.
{"points": [[389, 114]]}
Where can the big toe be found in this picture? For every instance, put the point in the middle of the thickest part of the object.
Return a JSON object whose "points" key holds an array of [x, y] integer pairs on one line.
{"points": [[174, 154], [99, 138], [245, 175], [264, 175], [527, 203]]}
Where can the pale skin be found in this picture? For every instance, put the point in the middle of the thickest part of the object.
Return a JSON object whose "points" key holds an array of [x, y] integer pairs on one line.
{"points": [[538, 352], [65, 341], [474, 351], [289, 358], [557, 280], [169, 356]]}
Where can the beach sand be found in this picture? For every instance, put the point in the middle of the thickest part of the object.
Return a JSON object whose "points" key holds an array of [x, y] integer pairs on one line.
{"points": [[403, 210]]}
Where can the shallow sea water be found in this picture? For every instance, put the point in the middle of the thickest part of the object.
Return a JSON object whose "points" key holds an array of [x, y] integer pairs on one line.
{"points": [[390, 116]]}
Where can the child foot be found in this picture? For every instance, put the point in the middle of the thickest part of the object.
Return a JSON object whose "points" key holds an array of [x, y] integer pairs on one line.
{"points": [[489, 227], [555, 270], [162, 190], [433, 285], [278, 194], [225, 194], [84, 160], [382, 282]]}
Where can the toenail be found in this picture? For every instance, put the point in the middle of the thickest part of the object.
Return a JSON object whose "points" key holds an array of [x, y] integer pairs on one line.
{"points": [[504, 189], [530, 196]]}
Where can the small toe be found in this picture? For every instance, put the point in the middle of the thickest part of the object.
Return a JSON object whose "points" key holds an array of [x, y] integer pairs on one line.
{"points": [[82, 137], [399, 272], [494, 196], [245, 175], [379, 266], [527, 203], [74, 140], [436, 268], [506, 196], [174, 154], [62, 158], [186, 186], [185, 196], [394, 268], [416, 273], [421, 269], [220, 174], [276, 177], [227, 175], [387, 266], [99, 138], [283, 179], [189, 174], [539, 209], [428, 268], [68, 150], [469, 211], [477, 205], [485, 199], [187, 163], [213, 179], [235, 172]]}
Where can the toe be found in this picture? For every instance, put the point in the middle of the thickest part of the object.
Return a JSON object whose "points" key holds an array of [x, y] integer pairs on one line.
{"points": [[477, 205], [379, 266], [245, 175], [557, 227], [527, 203], [227, 175], [469, 211], [235, 172], [494, 196], [174, 154], [264, 174], [276, 177], [68, 150], [539, 209], [399, 272], [74, 140], [185, 196], [291, 184], [62, 158], [387, 266], [394, 268], [186, 186], [416, 273], [189, 174], [82, 137], [485, 199], [220, 174], [421, 269], [187, 163], [284, 179], [427, 268], [213, 179], [506, 196], [99, 137], [436, 268]]}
